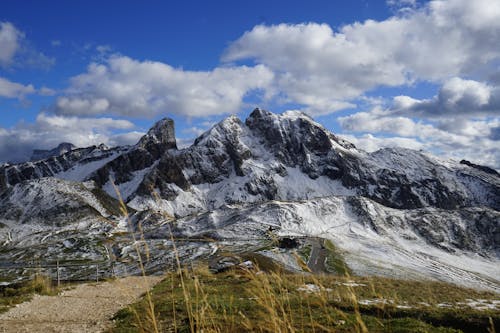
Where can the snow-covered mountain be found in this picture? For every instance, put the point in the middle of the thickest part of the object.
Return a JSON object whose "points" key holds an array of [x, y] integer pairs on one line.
{"points": [[394, 211]]}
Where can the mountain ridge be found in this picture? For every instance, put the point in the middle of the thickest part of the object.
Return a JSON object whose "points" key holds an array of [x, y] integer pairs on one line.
{"points": [[404, 209]]}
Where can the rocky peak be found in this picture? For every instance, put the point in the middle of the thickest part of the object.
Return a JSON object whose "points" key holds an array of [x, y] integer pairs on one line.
{"points": [[162, 133], [102, 146], [220, 133], [294, 136], [40, 154]]}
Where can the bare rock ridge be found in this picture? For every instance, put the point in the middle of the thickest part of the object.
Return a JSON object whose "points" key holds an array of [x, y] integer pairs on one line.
{"points": [[56, 166]]}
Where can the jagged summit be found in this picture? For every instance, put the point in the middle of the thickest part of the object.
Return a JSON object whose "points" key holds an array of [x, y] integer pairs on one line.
{"points": [[261, 154], [161, 133], [40, 154]]}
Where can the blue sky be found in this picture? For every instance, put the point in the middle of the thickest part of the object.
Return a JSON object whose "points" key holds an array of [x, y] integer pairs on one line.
{"points": [[416, 74]]}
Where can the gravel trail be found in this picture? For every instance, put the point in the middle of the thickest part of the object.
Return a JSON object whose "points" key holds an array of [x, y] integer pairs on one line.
{"points": [[86, 308]]}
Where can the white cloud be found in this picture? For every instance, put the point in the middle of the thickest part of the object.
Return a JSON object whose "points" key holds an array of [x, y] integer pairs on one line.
{"points": [[129, 138], [128, 87], [13, 44], [50, 130], [10, 39], [85, 106], [16, 50], [9, 89], [453, 137], [44, 91], [14, 90], [312, 62], [194, 131], [456, 97], [372, 143]]}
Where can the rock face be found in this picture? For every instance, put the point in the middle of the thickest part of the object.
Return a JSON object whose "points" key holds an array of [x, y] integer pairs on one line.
{"points": [[265, 155], [396, 206], [72, 165]]}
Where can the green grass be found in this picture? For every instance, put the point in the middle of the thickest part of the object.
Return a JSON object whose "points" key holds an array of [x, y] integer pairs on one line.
{"points": [[240, 301], [335, 262]]}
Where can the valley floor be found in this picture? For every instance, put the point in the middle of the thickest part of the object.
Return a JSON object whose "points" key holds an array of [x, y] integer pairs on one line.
{"points": [[86, 308]]}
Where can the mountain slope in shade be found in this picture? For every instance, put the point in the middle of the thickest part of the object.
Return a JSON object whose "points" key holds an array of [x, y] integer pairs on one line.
{"points": [[394, 211]]}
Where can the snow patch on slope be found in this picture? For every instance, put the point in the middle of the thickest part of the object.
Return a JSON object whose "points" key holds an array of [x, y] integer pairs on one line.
{"points": [[81, 171], [382, 247]]}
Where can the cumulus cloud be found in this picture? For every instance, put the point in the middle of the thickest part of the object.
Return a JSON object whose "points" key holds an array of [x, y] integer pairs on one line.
{"points": [[14, 90], [50, 130], [129, 138], [16, 50], [456, 97], [312, 62], [453, 137], [127, 87], [495, 133], [13, 44], [372, 143], [10, 39], [9, 89]]}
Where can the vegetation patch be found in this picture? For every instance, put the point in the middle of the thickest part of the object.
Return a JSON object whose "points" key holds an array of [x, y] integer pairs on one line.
{"points": [[277, 301], [335, 261]]}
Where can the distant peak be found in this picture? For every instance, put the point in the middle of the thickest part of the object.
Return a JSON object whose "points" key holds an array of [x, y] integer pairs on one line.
{"points": [[63, 147], [102, 146], [66, 145]]}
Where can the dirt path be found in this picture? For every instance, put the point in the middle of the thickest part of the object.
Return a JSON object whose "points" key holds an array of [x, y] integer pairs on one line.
{"points": [[86, 308]]}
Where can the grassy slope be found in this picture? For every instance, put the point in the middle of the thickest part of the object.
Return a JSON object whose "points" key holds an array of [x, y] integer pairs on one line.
{"points": [[242, 301]]}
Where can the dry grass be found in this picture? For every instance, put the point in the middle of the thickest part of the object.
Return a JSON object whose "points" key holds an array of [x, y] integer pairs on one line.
{"points": [[18, 293], [192, 299], [276, 301]]}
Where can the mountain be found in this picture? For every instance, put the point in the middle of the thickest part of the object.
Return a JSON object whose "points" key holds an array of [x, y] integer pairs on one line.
{"points": [[64, 147], [392, 212]]}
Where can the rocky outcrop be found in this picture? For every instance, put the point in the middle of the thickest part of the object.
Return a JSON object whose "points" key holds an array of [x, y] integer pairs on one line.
{"points": [[150, 148]]}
